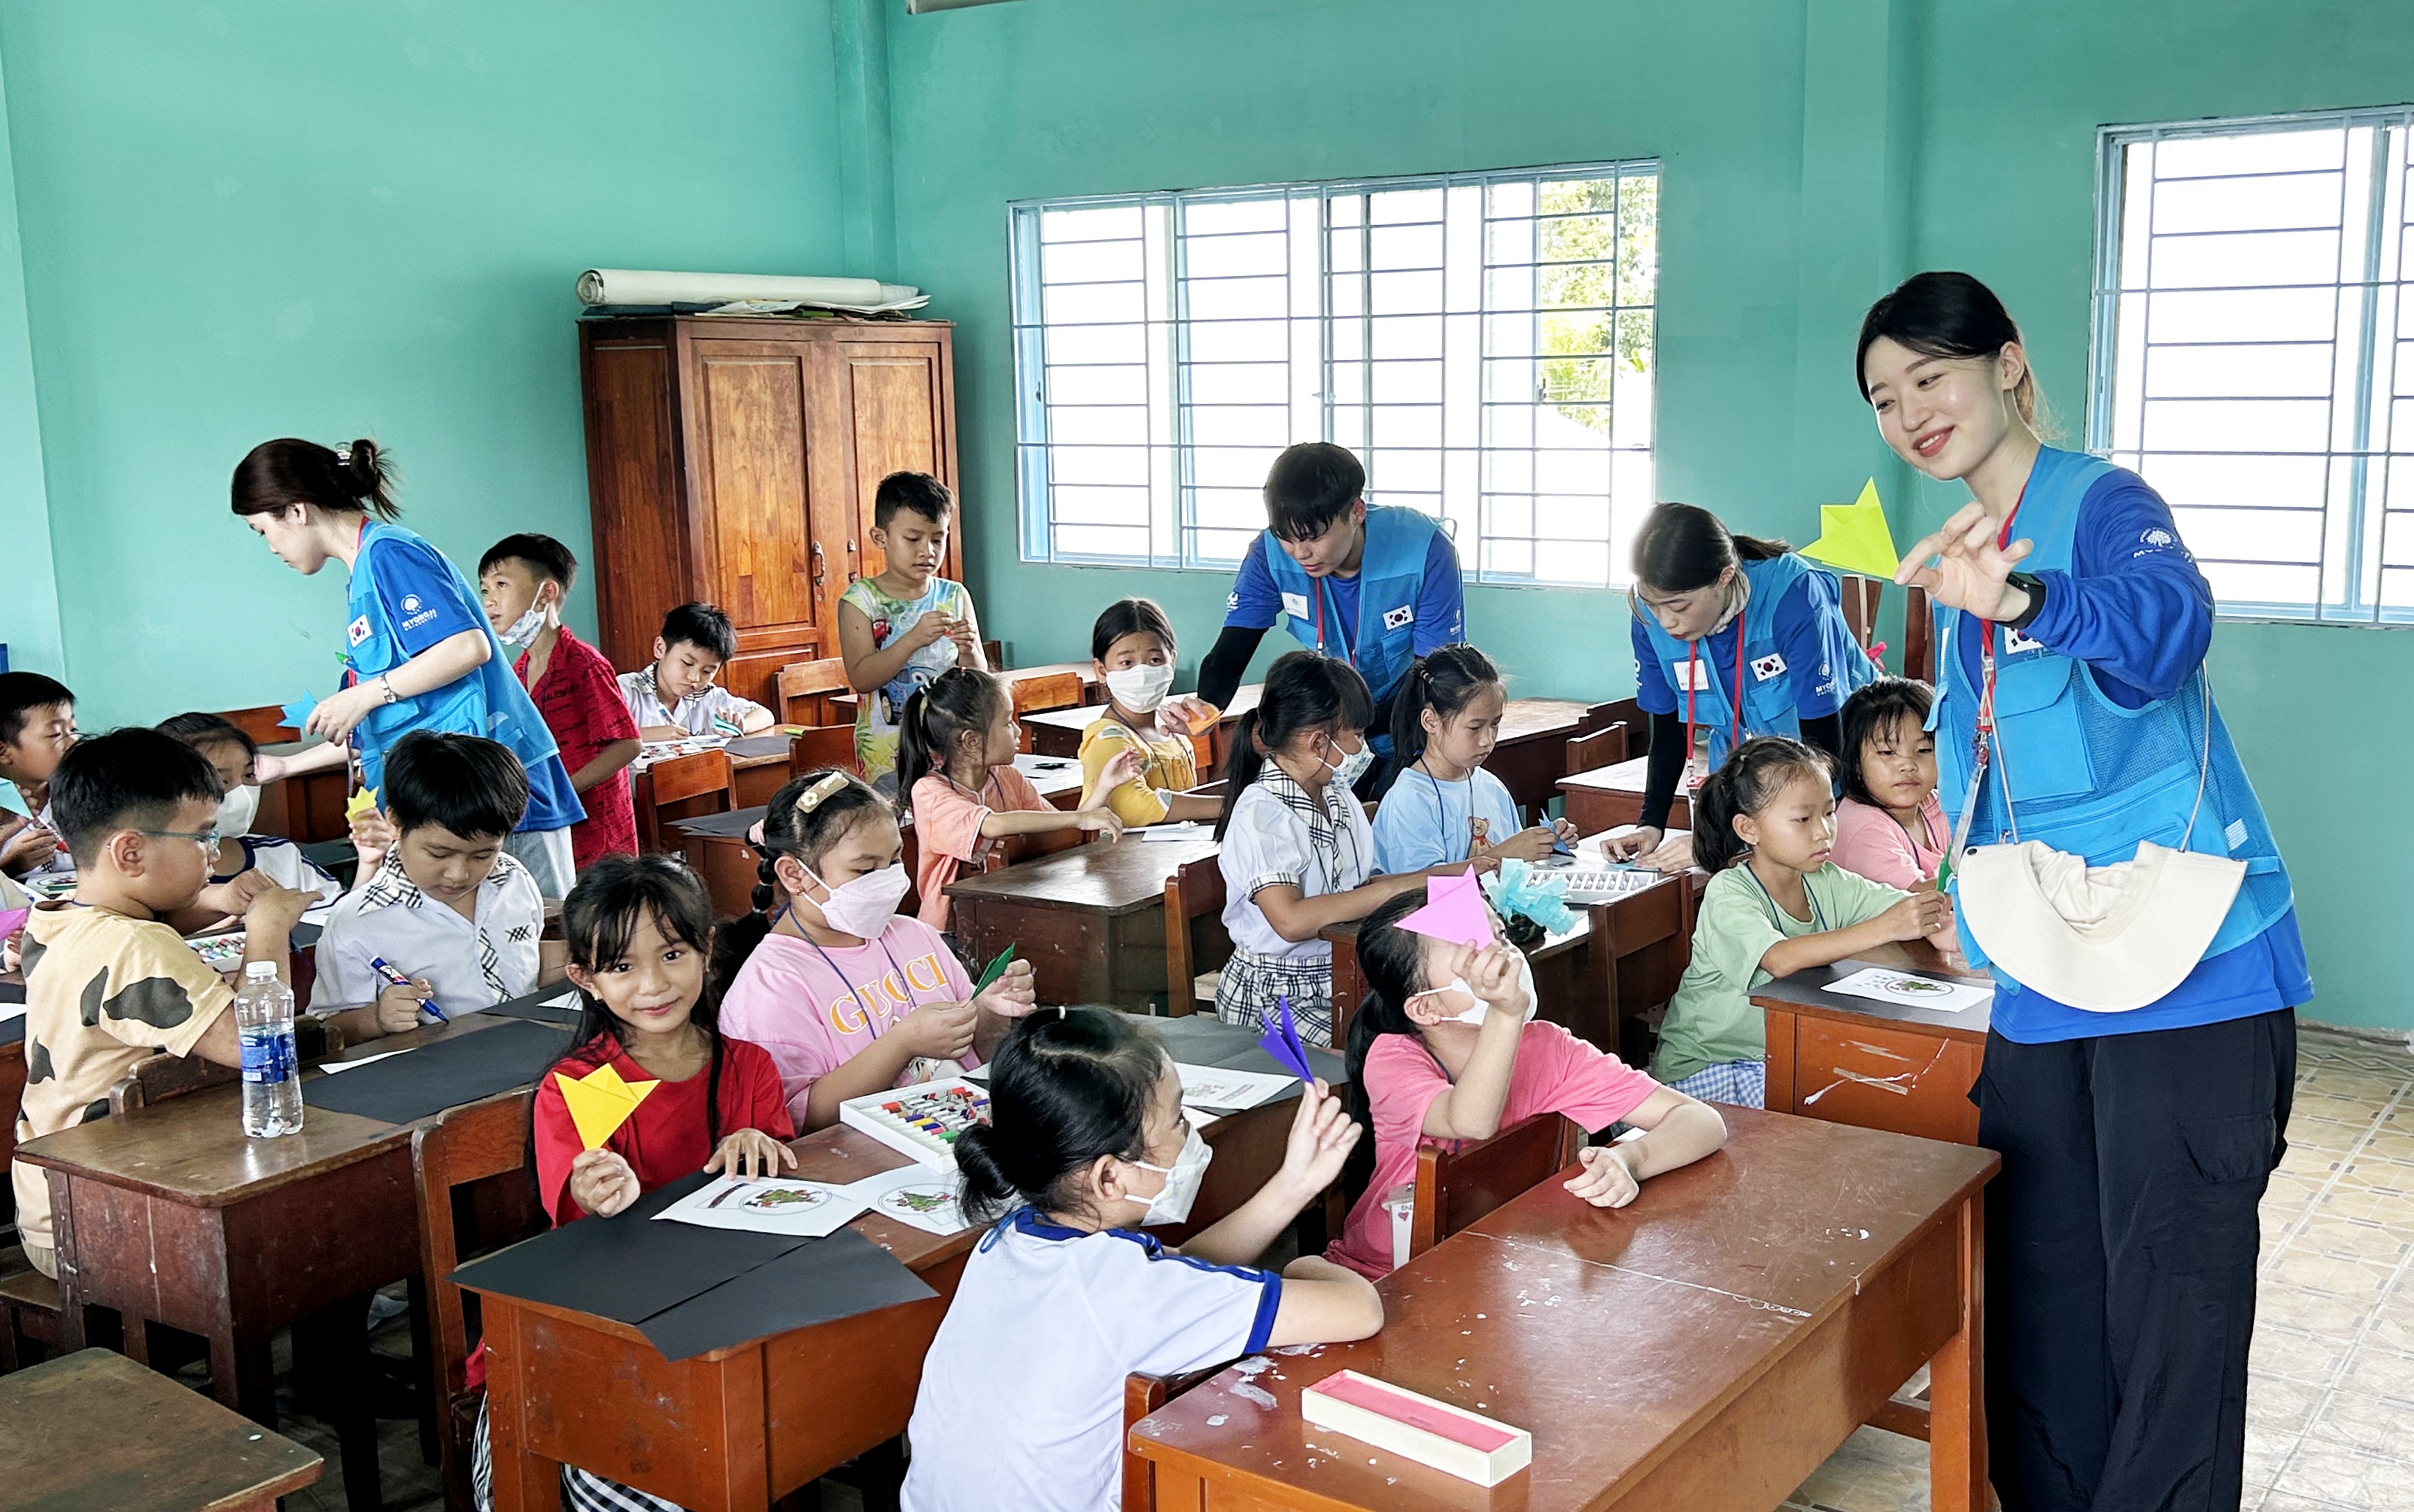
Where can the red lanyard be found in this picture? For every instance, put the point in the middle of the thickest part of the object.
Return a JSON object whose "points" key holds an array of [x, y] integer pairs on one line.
{"points": [[1694, 679], [1348, 651]]}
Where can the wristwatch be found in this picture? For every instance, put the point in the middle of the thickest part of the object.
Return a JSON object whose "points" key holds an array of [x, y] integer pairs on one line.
{"points": [[2033, 586]]}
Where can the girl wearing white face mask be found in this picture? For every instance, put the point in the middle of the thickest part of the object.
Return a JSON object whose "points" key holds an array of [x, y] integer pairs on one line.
{"points": [[1446, 1047], [1132, 649], [1297, 850], [272, 860], [848, 995], [1087, 1143]]}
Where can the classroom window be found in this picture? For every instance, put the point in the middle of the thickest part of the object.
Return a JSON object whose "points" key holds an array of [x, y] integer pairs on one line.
{"points": [[1483, 341], [2252, 353]]}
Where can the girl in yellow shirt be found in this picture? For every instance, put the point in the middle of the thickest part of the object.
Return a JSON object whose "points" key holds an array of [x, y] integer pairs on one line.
{"points": [[1132, 649]]}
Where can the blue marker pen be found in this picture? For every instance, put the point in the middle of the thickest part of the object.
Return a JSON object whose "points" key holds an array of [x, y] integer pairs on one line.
{"points": [[395, 978]]}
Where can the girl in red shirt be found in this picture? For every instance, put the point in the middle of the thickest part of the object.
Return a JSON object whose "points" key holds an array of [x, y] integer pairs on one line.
{"points": [[638, 929]]}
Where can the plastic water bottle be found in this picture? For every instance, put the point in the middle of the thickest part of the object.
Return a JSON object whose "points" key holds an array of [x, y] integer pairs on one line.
{"points": [[272, 1085]]}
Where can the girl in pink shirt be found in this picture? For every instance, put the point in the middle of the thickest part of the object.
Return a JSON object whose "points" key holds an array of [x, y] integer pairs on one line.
{"points": [[1445, 1047], [1890, 827], [849, 996], [956, 774]]}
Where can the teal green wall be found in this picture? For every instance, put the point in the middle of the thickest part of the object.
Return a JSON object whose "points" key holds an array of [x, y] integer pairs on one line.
{"points": [[1813, 153], [300, 217], [297, 218]]}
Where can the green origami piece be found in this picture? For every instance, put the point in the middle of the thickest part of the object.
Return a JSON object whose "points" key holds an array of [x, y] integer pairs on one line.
{"points": [[1855, 537]]}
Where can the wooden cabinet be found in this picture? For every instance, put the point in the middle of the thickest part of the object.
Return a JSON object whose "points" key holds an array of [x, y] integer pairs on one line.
{"points": [[734, 459]]}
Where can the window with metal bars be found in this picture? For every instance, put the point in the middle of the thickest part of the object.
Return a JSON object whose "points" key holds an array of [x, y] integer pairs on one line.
{"points": [[1483, 342], [2253, 354]]}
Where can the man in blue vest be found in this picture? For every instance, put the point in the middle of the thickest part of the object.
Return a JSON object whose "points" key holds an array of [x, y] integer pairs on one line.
{"points": [[1376, 587]]}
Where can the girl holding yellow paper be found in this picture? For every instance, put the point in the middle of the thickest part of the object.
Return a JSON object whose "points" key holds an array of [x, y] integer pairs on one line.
{"points": [[654, 1091]]}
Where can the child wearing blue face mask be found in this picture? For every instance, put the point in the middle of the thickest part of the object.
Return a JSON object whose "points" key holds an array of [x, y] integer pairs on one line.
{"points": [[1446, 1047], [1297, 850], [1087, 1135]]}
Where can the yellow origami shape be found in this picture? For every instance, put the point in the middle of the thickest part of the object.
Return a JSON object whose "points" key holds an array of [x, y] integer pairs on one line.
{"points": [[360, 803], [1855, 537], [600, 1101]]}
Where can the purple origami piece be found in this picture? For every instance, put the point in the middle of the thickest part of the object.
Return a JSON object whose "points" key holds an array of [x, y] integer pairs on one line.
{"points": [[1281, 1041]]}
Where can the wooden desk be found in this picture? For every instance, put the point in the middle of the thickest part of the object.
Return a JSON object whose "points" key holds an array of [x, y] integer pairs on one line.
{"points": [[1874, 1064], [1093, 691], [1705, 1348], [758, 767], [715, 845], [308, 808], [95, 1429], [1608, 796], [740, 1427], [170, 1215], [1090, 920]]}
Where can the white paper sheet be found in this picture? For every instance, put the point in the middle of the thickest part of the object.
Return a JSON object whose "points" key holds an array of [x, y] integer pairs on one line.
{"points": [[11, 1010], [1907, 990], [1230, 1090], [913, 1195], [777, 1205], [757, 293], [330, 1067]]}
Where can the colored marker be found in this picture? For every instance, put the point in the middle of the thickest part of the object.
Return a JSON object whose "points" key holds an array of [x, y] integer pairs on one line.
{"points": [[395, 978]]}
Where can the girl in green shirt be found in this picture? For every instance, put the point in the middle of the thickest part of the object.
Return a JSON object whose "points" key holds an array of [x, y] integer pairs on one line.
{"points": [[1764, 824]]}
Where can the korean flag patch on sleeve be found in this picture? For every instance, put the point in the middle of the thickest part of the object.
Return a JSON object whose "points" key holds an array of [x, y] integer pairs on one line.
{"points": [[358, 631], [1772, 665]]}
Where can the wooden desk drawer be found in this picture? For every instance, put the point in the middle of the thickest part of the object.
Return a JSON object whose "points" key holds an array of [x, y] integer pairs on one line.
{"points": [[1877, 1077]]}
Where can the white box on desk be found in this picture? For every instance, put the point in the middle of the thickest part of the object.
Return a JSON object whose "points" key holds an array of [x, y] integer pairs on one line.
{"points": [[1467, 1445]]}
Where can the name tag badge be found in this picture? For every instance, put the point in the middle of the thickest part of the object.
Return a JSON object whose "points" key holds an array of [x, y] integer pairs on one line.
{"points": [[1405, 614], [1690, 676], [358, 631], [1768, 666], [2015, 642], [1295, 606]]}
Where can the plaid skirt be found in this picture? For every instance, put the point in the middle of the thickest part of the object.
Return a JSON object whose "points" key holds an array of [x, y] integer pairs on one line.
{"points": [[581, 1491], [1250, 985], [1735, 1082]]}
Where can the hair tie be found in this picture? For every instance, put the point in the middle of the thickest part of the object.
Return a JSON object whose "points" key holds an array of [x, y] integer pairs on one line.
{"points": [[343, 456], [812, 797], [1062, 1012]]}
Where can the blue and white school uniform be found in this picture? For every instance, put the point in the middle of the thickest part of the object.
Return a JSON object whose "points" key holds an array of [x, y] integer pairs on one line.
{"points": [[405, 596], [696, 713], [1278, 835], [469, 963], [1065, 1317], [1425, 822]]}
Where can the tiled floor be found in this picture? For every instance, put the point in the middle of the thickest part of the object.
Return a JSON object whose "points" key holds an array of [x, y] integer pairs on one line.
{"points": [[2330, 1397]]}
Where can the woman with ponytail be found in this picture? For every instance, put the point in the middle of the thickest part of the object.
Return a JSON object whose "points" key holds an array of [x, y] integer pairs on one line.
{"points": [[1297, 851], [1088, 1143], [1765, 827], [418, 651], [1733, 637], [957, 740], [1445, 1047], [850, 996]]}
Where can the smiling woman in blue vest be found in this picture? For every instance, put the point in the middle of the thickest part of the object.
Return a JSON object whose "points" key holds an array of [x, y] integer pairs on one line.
{"points": [[418, 651], [1734, 636], [2121, 1233], [1376, 587]]}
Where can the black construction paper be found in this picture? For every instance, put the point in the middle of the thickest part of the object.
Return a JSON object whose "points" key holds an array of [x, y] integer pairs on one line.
{"points": [[835, 1275], [536, 1009], [1204, 1040], [733, 824], [628, 1266], [758, 746], [461, 1069]]}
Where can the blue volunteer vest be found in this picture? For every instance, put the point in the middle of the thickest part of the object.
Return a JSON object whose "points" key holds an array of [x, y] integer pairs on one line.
{"points": [[1769, 683], [489, 701], [1390, 572], [2085, 775]]}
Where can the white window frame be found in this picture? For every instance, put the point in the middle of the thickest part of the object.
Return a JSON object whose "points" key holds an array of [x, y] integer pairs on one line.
{"points": [[2373, 322], [1465, 493]]}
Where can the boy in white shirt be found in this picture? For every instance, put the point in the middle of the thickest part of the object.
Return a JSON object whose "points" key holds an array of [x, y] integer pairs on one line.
{"points": [[677, 697], [447, 909]]}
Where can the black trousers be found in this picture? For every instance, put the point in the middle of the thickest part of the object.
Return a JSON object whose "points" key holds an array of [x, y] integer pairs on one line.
{"points": [[2121, 1248]]}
